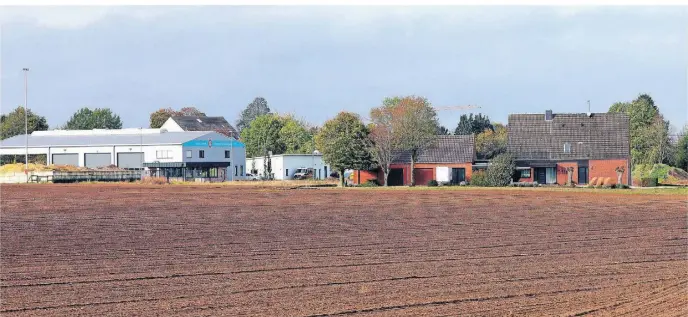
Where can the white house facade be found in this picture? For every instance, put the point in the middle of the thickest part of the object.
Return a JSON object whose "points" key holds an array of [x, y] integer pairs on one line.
{"points": [[285, 165]]}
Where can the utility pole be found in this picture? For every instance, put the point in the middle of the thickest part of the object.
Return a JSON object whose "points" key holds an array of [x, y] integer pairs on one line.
{"points": [[26, 122], [588, 106], [142, 153]]}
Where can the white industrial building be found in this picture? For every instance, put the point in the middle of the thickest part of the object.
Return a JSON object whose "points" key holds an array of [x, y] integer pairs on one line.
{"points": [[188, 155], [285, 165]]}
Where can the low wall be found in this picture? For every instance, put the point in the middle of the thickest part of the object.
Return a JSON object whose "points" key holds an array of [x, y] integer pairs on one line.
{"points": [[20, 177]]}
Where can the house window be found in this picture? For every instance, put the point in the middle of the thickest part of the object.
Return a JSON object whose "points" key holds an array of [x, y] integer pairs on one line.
{"points": [[525, 173], [286, 173], [241, 167], [201, 154], [213, 172], [567, 147], [226, 154], [188, 154], [236, 170], [163, 154]]}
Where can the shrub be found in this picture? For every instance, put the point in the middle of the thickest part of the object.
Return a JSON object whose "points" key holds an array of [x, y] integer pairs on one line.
{"points": [[648, 182], [622, 186], [370, 183], [479, 178], [501, 171], [593, 181], [154, 181], [607, 186], [432, 183], [600, 182]]}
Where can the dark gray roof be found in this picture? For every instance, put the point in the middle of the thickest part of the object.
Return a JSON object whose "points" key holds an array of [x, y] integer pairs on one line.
{"points": [[171, 138], [599, 136], [445, 149], [196, 123]]}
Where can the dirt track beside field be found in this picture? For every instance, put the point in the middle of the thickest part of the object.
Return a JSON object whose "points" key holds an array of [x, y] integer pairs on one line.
{"points": [[77, 250]]}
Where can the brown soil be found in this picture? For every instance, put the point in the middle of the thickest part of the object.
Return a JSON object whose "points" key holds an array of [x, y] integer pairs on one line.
{"points": [[126, 250]]}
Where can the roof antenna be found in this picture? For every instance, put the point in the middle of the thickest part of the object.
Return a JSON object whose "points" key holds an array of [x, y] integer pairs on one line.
{"points": [[589, 113]]}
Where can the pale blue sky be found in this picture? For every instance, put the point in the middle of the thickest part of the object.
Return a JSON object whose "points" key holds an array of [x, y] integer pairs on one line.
{"points": [[316, 61]]}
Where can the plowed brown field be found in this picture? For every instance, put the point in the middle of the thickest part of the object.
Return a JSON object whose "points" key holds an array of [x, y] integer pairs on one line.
{"points": [[127, 250]]}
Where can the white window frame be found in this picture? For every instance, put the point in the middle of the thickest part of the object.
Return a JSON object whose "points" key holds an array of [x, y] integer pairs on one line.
{"points": [[163, 154], [567, 147], [189, 154]]}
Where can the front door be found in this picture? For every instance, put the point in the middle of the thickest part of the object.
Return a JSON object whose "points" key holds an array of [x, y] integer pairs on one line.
{"points": [[458, 175], [582, 175], [541, 175]]}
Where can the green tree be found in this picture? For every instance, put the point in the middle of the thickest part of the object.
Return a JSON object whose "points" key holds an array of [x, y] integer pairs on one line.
{"points": [[681, 152], [99, 118], [417, 120], [469, 124], [256, 108], [343, 142], [13, 123], [296, 136], [441, 130], [384, 140], [501, 170], [158, 118], [263, 135], [491, 143], [649, 131]]}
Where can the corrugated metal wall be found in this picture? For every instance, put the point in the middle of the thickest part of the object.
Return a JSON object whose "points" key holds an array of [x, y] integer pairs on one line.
{"points": [[97, 159], [129, 160], [66, 159]]}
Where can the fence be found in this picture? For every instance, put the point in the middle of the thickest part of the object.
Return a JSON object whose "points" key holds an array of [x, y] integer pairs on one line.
{"points": [[96, 176]]}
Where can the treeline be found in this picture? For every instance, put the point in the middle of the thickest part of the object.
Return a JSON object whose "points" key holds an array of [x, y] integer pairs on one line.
{"points": [[403, 123]]}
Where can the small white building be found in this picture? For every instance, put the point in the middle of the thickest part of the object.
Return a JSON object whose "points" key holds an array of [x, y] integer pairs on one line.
{"points": [[285, 165], [188, 155]]}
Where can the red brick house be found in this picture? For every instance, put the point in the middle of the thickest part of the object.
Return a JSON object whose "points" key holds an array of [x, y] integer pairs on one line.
{"points": [[545, 145], [449, 154]]}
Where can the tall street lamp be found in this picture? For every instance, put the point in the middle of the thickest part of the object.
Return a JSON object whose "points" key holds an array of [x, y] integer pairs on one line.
{"points": [[26, 123]]}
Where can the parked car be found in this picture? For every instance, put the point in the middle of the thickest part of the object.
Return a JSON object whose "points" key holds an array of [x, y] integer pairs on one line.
{"points": [[303, 173], [252, 177]]}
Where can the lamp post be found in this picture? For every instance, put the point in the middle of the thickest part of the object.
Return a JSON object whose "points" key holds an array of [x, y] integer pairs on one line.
{"points": [[26, 122], [141, 149]]}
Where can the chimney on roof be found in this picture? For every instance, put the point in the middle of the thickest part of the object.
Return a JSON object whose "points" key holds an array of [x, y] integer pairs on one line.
{"points": [[548, 115]]}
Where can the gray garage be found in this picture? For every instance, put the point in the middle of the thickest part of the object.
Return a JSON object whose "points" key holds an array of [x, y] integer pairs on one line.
{"points": [[93, 160], [66, 159], [129, 160]]}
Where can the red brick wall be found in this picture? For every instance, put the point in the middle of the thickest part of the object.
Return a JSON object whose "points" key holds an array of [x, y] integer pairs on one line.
{"points": [[367, 175], [361, 177], [407, 170], [606, 168], [562, 174]]}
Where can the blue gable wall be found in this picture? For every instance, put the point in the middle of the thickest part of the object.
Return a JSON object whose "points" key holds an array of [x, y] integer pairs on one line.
{"points": [[214, 143]]}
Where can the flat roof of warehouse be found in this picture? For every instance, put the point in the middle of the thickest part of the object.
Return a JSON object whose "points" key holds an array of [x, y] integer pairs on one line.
{"points": [[169, 138]]}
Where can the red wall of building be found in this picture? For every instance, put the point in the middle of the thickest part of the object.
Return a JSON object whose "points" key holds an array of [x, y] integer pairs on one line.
{"points": [[562, 174], [361, 177], [606, 168], [407, 170]]}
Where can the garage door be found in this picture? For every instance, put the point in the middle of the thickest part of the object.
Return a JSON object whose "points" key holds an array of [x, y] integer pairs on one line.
{"points": [[97, 159], [395, 177], [129, 160], [423, 175], [66, 159]]}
